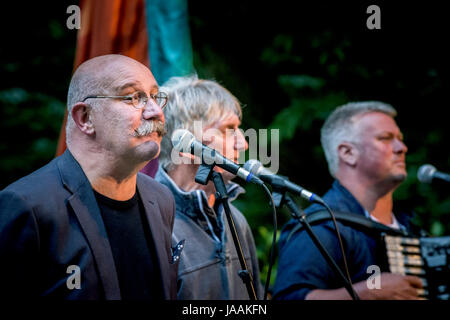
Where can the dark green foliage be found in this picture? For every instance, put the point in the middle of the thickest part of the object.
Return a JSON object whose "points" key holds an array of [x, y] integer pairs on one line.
{"points": [[36, 61]]}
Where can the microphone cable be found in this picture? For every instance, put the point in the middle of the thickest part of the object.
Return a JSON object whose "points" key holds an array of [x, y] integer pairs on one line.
{"points": [[250, 166], [274, 241], [341, 246]]}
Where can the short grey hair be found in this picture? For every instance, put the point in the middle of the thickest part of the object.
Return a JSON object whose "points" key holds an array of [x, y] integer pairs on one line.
{"points": [[191, 99], [340, 127]]}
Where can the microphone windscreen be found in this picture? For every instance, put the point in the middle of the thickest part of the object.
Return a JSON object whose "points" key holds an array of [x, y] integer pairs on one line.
{"points": [[425, 173], [252, 166], [182, 140]]}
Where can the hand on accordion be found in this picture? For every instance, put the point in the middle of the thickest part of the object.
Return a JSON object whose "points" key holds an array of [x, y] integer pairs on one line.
{"points": [[393, 287]]}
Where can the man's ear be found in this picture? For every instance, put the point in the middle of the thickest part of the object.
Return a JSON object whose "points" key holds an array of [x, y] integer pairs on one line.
{"points": [[81, 114], [348, 153], [209, 136]]}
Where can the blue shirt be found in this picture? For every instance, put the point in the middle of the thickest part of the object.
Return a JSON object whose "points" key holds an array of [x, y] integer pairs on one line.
{"points": [[301, 266]]}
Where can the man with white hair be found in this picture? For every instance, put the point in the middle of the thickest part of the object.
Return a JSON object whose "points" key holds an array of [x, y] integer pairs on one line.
{"points": [[87, 225], [209, 262], [365, 152]]}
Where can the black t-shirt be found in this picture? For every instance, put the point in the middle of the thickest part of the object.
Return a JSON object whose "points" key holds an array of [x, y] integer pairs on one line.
{"points": [[132, 247]]}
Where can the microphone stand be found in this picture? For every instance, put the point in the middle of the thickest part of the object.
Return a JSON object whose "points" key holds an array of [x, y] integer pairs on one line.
{"points": [[280, 198], [204, 174]]}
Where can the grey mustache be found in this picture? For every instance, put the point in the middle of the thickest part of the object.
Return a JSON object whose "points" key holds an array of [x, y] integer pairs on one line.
{"points": [[148, 127]]}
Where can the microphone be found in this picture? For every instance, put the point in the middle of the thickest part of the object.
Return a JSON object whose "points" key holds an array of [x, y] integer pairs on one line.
{"points": [[427, 173], [256, 167], [184, 141]]}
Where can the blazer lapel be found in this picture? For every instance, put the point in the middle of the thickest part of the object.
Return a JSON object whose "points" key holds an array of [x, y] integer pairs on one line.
{"points": [[85, 206], [157, 228]]}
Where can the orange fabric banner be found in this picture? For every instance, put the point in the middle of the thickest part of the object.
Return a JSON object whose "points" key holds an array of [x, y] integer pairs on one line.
{"points": [[109, 26]]}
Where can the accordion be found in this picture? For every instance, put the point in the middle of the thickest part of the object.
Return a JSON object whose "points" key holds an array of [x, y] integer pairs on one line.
{"points": [[399, 251], [427, 258]]}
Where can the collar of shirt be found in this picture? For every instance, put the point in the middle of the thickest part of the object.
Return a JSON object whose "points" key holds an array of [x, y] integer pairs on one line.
{"points": [[194, 204], [394, 224]]}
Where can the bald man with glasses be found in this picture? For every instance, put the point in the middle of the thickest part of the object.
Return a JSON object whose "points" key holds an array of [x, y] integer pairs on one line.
{"points": [[88, 225]]}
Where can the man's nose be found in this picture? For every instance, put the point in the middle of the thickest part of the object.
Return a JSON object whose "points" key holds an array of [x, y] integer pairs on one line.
{"points": [[400, 146], [153, 111], [240, 143]]}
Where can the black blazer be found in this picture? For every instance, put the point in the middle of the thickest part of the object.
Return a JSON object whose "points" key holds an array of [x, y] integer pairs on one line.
{"points": [[50, 220]]}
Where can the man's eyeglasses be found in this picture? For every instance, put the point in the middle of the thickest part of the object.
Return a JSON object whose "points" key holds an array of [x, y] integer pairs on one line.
{"points": [[138, 99]]}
